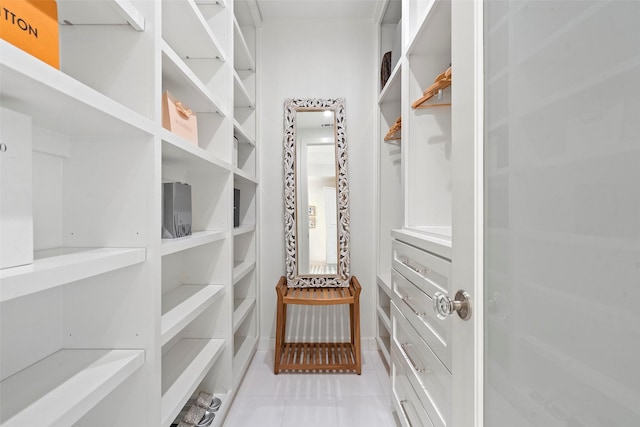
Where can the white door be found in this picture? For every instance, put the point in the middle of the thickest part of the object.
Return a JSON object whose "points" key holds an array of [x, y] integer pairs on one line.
{"points": [[546, 224], [467, 209]]}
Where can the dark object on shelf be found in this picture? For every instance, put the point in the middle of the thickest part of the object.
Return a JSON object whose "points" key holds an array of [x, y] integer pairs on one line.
{"points": [[236, 207], [385, 69], [176, 210]]}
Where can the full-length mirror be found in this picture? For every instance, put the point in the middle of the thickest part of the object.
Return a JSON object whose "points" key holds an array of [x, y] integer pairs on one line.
{"points": [[316, 193]]}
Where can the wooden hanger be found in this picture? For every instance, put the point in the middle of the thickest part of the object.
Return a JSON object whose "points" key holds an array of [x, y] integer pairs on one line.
{"points": [[394, 131], [441, 82]]}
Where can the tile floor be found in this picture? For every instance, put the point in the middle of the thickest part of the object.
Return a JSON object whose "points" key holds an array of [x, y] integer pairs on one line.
{"points": [[312, 400]]}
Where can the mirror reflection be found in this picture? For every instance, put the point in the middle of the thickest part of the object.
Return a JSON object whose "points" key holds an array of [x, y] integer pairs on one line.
{"points": [[317, 234]]}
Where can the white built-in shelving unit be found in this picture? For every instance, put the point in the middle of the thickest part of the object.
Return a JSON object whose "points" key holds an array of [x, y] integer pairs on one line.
{"points": [[112, 324], [414, 209], [389, 185]]}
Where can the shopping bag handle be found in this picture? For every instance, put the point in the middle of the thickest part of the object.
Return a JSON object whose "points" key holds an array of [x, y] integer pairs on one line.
{"points": [[186, 112]]}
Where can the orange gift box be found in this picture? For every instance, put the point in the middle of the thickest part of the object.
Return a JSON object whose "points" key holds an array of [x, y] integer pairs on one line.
{"points": [[32, 25]]}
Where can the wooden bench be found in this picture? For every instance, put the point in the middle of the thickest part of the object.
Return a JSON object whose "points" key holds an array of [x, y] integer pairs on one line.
{"points": [[319, 356]]}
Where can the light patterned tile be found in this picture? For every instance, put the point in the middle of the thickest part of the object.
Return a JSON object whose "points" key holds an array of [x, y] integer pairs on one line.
{"points": [[263, 382], [253, 411], [310, 412], [319, 384], [372, 411], [366, 384], [313, 399]]}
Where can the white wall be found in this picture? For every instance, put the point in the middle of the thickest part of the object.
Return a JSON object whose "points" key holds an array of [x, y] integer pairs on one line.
{"points": [[317, 59]]}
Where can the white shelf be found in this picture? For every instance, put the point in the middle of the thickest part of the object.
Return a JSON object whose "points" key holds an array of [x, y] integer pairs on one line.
{"points": [[220, 3], [244, 175], [391, 90], [56, 267], [384, 282], [242, 134], [242, 59], [33, 87], [384, 348], [242, 309], [240, 269], [185, 85], [241, 97], [432, 239], [177, 150], [243, 229], [66, 385], [183, 368], [434, 32], [198, 238], [386, 321], [242, 359], [187, 32], [100, 12], [182, 305]]}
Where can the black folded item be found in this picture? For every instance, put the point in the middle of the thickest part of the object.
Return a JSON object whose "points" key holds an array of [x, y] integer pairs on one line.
{"points": [[385, 69]]}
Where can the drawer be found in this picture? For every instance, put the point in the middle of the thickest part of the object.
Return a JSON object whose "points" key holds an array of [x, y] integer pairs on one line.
{"points": [[428, 375], [410, 411], [417, 308], [428, 272]]}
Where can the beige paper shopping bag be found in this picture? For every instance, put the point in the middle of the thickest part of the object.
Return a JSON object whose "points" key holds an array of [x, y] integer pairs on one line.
{"points": [[179, 119]]}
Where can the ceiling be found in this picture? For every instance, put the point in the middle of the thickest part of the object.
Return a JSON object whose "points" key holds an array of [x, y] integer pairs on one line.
{"points": [[316, 9]]}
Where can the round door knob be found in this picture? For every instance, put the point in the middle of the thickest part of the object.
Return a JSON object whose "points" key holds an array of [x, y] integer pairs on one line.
{"points": [[444, 306]]}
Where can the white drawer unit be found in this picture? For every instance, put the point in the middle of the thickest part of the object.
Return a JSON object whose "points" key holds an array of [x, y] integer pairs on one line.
{"points": [[427, 271], [408, 406], [426, 373], [417, 308]]}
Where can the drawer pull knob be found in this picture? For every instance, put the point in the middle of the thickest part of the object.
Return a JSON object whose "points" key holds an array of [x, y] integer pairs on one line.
{"points": [[444, 306], [406, 299], [403, 402], [416, 367], [413, 265]]}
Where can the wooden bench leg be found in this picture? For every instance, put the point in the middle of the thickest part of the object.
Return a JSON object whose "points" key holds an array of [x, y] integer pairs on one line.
{"points": [[281, 324], [354, 315], [354, 311]]}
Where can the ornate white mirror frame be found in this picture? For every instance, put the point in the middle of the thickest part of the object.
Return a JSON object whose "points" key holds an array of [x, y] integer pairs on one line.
{"points": [[342, 276]]}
